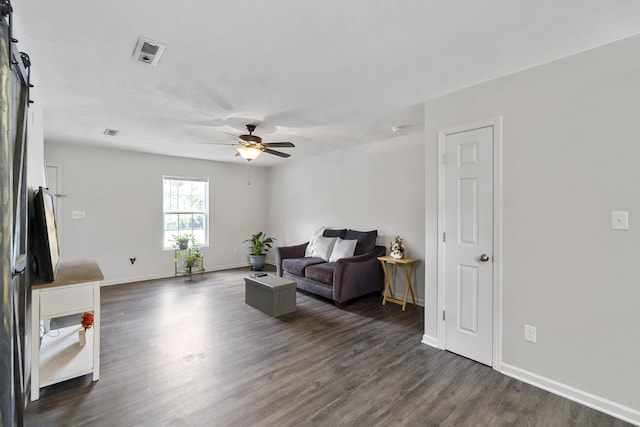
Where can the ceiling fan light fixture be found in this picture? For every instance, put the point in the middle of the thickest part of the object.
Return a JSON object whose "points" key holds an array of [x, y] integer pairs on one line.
{"points": [[249, 153]]}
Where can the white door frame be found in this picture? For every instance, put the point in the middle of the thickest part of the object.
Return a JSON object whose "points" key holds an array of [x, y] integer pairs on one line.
{"points": [[496, 122]]}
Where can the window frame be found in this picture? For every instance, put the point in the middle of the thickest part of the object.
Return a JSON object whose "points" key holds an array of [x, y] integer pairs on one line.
{"points": [[205, 212]]}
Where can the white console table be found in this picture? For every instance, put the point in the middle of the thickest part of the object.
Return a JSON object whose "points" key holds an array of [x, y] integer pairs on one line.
{"points": [[58, 356]]}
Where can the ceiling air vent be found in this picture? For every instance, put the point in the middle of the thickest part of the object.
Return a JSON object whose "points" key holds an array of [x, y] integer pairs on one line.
{"points": [[111, 132], [148, 51]]}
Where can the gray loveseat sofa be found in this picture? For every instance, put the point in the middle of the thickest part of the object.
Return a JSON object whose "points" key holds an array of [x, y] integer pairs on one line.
{"points": [[339, 280]]}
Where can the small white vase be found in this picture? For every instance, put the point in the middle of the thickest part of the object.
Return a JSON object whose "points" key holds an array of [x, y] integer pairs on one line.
{"points": [[82, 337], [397, 251]]}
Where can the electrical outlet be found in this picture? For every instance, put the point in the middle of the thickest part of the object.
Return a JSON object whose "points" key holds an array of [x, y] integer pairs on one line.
{"points": [[235, 251], [619, 220], [529, 333]]}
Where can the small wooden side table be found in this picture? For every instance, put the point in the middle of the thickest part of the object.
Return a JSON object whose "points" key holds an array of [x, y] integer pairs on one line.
{"points": [[388, 266]]}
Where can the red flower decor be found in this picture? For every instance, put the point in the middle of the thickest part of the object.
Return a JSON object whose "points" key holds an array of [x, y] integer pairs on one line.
{"points": [[87, 320]]}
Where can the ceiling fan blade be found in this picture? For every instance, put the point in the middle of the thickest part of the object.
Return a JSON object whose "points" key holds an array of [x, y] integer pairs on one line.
{"points": [[235, 137], [276, 153], [214, 143], [278, 144]]}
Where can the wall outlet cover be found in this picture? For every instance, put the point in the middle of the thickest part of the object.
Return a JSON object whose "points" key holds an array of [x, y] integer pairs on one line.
{"points": [[619, 220]]}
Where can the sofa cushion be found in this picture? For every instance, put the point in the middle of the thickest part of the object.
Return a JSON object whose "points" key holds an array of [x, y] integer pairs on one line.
{"points": [[324, 247], [322, 273], [297, 266], [343, 249], [334, 233], [366, 240]]}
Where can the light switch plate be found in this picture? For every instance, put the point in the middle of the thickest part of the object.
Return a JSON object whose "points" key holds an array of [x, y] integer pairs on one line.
{"points": [[77, 215], [619, 220], [530, 333]]}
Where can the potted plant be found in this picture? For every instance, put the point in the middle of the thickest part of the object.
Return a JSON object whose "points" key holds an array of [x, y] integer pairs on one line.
{"points": [[260, 245], [192, 258], [188, 250], [183, 241], [397, 248]]}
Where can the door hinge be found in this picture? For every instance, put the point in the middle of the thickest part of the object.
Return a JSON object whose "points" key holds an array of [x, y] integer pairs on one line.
{"points": [[444, 159], [443, 315], [444, 236]]}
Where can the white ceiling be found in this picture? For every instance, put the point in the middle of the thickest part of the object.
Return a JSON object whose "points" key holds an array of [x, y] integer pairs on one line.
{"points": [[324, 75]]}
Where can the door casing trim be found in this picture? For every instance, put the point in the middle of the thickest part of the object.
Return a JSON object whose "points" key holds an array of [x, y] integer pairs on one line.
{"points": [[496, 123]]}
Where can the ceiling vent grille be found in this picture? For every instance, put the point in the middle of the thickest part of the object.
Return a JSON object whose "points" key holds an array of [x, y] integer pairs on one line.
{"points": [[111, 132], [148, 51]]}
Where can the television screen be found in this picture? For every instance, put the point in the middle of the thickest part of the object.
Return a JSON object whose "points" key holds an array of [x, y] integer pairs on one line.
{"points": [[45, 236]]}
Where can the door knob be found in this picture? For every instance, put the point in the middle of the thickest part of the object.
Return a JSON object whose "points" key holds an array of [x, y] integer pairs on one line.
{"points": [[484, 258]]}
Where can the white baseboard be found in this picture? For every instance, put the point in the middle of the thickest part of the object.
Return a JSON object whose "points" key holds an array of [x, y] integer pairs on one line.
{"points": [[166, 275], [601, 404], [133, 279], [229, 266], [429, 340], [419, 302]]}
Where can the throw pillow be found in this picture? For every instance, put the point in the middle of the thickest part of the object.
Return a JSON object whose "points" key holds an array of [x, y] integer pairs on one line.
{"points": [[334, 233], [323, 247], [366, 240], [312, 241], [342, 249]]}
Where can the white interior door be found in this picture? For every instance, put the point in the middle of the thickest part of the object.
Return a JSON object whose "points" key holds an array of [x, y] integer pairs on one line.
{"points": [[468, 243]]}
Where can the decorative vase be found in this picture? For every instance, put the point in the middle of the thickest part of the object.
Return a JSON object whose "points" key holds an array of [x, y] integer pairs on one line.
{"points": [[396, 250], [82, 337]]}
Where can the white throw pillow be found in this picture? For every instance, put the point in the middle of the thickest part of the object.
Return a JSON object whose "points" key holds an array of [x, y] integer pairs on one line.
{"points": [[342, 249], [323, 247], [312, 241]]}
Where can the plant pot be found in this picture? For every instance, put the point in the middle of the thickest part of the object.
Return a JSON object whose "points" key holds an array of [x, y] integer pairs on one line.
{"points": [[257, 262]]}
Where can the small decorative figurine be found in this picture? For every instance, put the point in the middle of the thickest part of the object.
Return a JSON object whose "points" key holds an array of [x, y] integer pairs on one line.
{"points": [[397, 248]]}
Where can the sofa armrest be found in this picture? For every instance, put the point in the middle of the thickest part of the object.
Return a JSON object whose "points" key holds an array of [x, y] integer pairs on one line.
{"points": [[358, 275], [284, 252]]}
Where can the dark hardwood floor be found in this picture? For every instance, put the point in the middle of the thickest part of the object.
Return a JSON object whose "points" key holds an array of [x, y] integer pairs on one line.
{"points": [[178, 353]]}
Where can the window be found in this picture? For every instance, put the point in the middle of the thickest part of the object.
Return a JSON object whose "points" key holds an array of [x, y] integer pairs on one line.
{"points": [[185, 208]]}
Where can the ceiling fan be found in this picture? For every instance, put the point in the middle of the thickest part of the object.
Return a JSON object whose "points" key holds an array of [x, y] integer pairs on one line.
{"points": [[251, 146]]}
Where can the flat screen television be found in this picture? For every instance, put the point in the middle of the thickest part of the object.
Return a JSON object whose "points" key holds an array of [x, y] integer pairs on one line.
{"points": [[45, 236]]}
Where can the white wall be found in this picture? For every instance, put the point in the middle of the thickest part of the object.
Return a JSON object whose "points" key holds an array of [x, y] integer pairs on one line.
{"points": [[35, 146], [374, 186], [121, 194], [571, 146]]}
